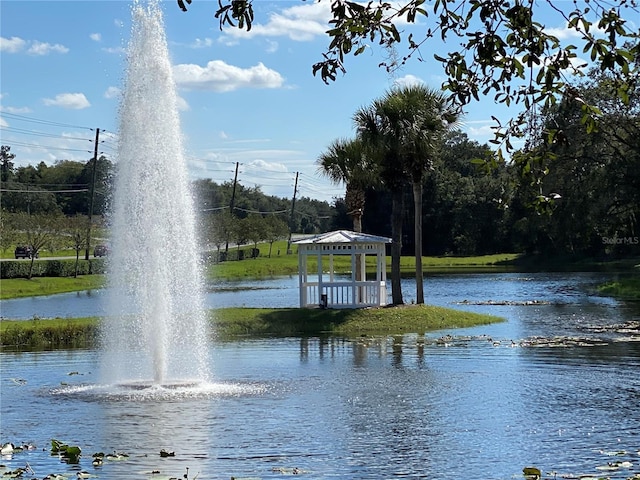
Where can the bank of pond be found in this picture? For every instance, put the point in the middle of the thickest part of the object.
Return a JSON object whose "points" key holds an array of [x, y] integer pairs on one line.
{"points": [[50, 277]]}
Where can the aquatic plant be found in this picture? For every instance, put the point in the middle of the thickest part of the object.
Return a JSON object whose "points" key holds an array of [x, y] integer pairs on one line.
{"points": [[68, 453]]}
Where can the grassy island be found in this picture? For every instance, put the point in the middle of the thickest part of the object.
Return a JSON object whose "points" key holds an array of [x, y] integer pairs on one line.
{"points": [[230, 323]]}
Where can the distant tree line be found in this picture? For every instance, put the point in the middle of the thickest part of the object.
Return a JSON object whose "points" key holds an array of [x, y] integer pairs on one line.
{"points": [[64, 187], [57, 197]]}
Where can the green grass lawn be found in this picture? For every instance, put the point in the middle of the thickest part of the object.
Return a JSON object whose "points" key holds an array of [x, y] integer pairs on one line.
{"points": [[21, 287], [261, 267], [345, 322], [264, 267], [230, 323], [277, 265], [626, 288]]}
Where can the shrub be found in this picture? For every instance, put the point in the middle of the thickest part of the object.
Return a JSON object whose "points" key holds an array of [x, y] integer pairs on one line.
{"points": [[51, 268]]}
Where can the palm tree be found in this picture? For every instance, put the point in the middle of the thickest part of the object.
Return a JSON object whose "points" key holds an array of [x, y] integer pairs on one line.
{"points": [[424, 116], [376, 125], [403, 127], [345, 162]]}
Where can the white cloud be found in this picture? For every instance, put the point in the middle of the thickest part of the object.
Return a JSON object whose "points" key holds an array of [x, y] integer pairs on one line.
{"points": [[407, 80], [484, 131], [73, 101], [266, 166], [182, 104], [219, 76], [96, 37], [576, 63], [562, 33], [18, 110], [272, 47], [300, 23], [42, 48], [115, 50], [12, 45], [202, 43], [112, 92], [17, 44], [3, 123], [480, 130]]}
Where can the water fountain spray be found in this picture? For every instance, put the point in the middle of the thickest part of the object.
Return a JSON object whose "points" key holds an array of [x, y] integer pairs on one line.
{"points": [[156, 330]]}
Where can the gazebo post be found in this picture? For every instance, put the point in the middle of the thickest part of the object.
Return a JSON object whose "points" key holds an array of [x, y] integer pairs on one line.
{"points": [[355, 298], [320, 280], [302, 273], [362, 276]]}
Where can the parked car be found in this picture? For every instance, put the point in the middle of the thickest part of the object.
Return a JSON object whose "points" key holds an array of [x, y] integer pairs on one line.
{"points": [[100, 250], [24, 251]]}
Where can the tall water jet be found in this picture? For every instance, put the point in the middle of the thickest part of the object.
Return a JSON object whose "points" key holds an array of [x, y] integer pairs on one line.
{"points": [[155, 331]]}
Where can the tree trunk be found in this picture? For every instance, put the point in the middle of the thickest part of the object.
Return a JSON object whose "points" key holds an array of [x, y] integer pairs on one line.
{"points": [[357, 227], [417, 207], [75, 275], [31, 266], [357, 223], [396, 247]]}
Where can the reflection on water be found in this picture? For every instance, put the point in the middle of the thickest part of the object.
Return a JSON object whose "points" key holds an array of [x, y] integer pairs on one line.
{"points": [[440, 406], [371, 408]]}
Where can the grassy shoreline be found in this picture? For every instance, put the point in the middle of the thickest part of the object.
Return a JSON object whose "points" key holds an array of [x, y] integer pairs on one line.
{"points": [[624, 289], [230, 323], [39, 286], [258, 268], [266, 268]]}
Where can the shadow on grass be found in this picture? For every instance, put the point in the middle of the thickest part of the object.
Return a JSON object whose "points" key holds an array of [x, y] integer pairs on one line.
{"points": [[278, 322], [569, 263], [344, 322]]}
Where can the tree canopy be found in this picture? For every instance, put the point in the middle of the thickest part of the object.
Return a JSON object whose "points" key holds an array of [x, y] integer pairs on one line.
{"points": [[499, 48]]}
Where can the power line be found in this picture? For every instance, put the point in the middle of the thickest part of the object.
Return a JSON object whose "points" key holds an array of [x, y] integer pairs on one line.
{"points": [[213, 209], [43, 134], [44, 147], [76, 185], [44, 191], [261, 212], [23, 118]]}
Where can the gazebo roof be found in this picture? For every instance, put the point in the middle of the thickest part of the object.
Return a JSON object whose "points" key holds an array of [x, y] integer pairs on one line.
{"points": [[343, 236]]}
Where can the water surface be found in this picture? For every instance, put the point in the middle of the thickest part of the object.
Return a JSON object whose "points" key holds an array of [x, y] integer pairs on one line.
{"points": [[338, 409], [481, 400]]}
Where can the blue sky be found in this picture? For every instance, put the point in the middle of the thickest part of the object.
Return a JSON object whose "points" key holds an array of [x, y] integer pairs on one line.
{"points": [[247, 98]]}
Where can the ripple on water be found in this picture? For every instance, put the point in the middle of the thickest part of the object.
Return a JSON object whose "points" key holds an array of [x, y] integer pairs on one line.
{"points": [[149, 391]]}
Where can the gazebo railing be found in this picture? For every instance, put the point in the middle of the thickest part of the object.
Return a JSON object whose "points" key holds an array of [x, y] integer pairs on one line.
{"points": [[344, 294]]}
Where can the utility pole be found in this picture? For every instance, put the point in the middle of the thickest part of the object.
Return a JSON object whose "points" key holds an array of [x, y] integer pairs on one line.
{"points": [[293, 205], [231, 205], [92, 194]]}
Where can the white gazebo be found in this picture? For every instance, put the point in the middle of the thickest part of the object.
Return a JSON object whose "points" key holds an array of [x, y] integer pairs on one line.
{"points": [[323, 288]]}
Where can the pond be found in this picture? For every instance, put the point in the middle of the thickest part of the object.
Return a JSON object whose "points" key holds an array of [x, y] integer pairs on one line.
{"points": [[282, 292], [474, 403]]}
